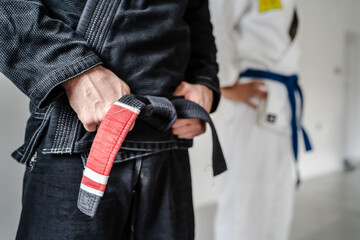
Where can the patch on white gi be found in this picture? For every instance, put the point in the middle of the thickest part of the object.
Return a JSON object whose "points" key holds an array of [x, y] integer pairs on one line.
{"points": [[266, 5]]}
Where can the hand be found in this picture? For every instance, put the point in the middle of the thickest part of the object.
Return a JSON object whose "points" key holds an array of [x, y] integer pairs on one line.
{"points": [[197, 93], [243, 92], [188, 128], [200, 94], [92, 94]]}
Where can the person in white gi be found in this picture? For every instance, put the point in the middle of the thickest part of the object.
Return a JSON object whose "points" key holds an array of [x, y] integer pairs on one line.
{"points": [[258, 55]]}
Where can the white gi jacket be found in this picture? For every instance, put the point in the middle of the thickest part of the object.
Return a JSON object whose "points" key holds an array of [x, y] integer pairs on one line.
{"points": [[256, 196]]}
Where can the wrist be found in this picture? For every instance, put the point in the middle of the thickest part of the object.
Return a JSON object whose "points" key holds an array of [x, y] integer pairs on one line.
{"points": [[74, 81]]}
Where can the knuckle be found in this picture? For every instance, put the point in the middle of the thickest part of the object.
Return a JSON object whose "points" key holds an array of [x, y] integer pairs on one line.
{"points": [[106, 109], [89, 128], [126, 89], [87, 120], [99, 117], [82, 118]]}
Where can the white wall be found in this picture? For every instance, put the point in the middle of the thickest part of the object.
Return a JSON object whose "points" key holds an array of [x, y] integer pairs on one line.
{"points": [[352, 113], [325, 24], [14, 113]]}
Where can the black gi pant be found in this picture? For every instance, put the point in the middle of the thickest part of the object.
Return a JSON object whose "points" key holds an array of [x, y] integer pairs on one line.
{"points": [[146, 198]]}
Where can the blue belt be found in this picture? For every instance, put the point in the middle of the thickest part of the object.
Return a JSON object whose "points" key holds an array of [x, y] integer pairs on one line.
{"points": [[292, 86]]}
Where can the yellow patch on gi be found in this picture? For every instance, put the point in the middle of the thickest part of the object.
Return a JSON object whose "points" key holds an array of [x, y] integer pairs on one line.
{"points": [[265, 5]]}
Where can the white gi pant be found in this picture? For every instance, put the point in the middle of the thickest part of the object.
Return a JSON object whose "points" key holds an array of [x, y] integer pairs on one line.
{"points": [[256, 193]]}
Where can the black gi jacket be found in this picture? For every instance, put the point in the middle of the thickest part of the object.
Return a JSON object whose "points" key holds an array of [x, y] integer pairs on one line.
{"points": [[152, 45]]}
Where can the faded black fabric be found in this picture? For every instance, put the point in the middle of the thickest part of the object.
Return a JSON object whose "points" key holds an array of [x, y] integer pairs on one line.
{"points": [[39, 52], [148, 198], [151, 45]]}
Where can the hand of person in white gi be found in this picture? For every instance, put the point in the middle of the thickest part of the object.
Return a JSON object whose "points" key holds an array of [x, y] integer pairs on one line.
{"points": [[200, 94], [243, 92], [92, 94]]}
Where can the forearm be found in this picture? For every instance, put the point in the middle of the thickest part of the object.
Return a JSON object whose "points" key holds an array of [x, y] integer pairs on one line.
{"points": [[39, 53], [202, 68]]}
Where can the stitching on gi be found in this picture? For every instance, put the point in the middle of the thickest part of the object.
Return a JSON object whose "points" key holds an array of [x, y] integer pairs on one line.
{"points": [[71, 124], [38, 117], [100, 23], [55, 72], [58, 126], [38, 113], [101, 26], [135, 156], [96, 20], [65, 129], [110, 20], [64, 136], [31, 146], [76, 123], [89, 25], [18, 152], [56, 150]]}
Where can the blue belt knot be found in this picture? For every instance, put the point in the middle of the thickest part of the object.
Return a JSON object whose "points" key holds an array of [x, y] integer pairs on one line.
{"points": [[292, 86]]}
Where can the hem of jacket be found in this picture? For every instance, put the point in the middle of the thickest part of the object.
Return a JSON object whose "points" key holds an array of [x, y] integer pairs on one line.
{"points": [[210, 83], [49, 88]]}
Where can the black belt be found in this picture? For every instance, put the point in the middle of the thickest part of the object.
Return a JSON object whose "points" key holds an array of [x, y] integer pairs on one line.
{"points": [[159, 112]]}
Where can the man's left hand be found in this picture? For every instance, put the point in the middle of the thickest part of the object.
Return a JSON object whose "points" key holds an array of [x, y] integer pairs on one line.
{"points": [[200, 94]]}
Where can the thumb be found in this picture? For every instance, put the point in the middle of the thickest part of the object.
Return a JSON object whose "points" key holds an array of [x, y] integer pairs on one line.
{"points": [[181, 89]]}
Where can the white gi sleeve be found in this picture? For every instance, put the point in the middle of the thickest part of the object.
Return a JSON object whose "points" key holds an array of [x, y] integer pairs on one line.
{"points": [[225, 16]]}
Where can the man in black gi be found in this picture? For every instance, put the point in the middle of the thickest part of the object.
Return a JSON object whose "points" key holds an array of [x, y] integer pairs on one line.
{"points": [[74, 59]]}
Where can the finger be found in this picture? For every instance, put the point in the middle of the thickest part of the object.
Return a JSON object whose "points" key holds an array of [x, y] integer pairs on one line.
{"points": [[181, 89], [183, 129], [260, 85], [90, 127], [89, 121], [251, 104], [255, 85], [126, 89], [181, 122], [186, 129], [180, 131], [191, 134], [132, 126], [196, 126], [258, 82], [260, 94]]}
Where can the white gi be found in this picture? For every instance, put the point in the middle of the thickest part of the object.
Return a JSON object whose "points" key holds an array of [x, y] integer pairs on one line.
{"points": [[256, 194]]}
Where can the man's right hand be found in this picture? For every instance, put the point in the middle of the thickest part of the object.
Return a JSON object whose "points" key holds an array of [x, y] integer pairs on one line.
{"points": [[93, 93]]}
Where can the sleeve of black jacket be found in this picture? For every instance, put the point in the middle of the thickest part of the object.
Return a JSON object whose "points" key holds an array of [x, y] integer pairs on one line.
{"points": [[202, 68], [37, 52]]}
